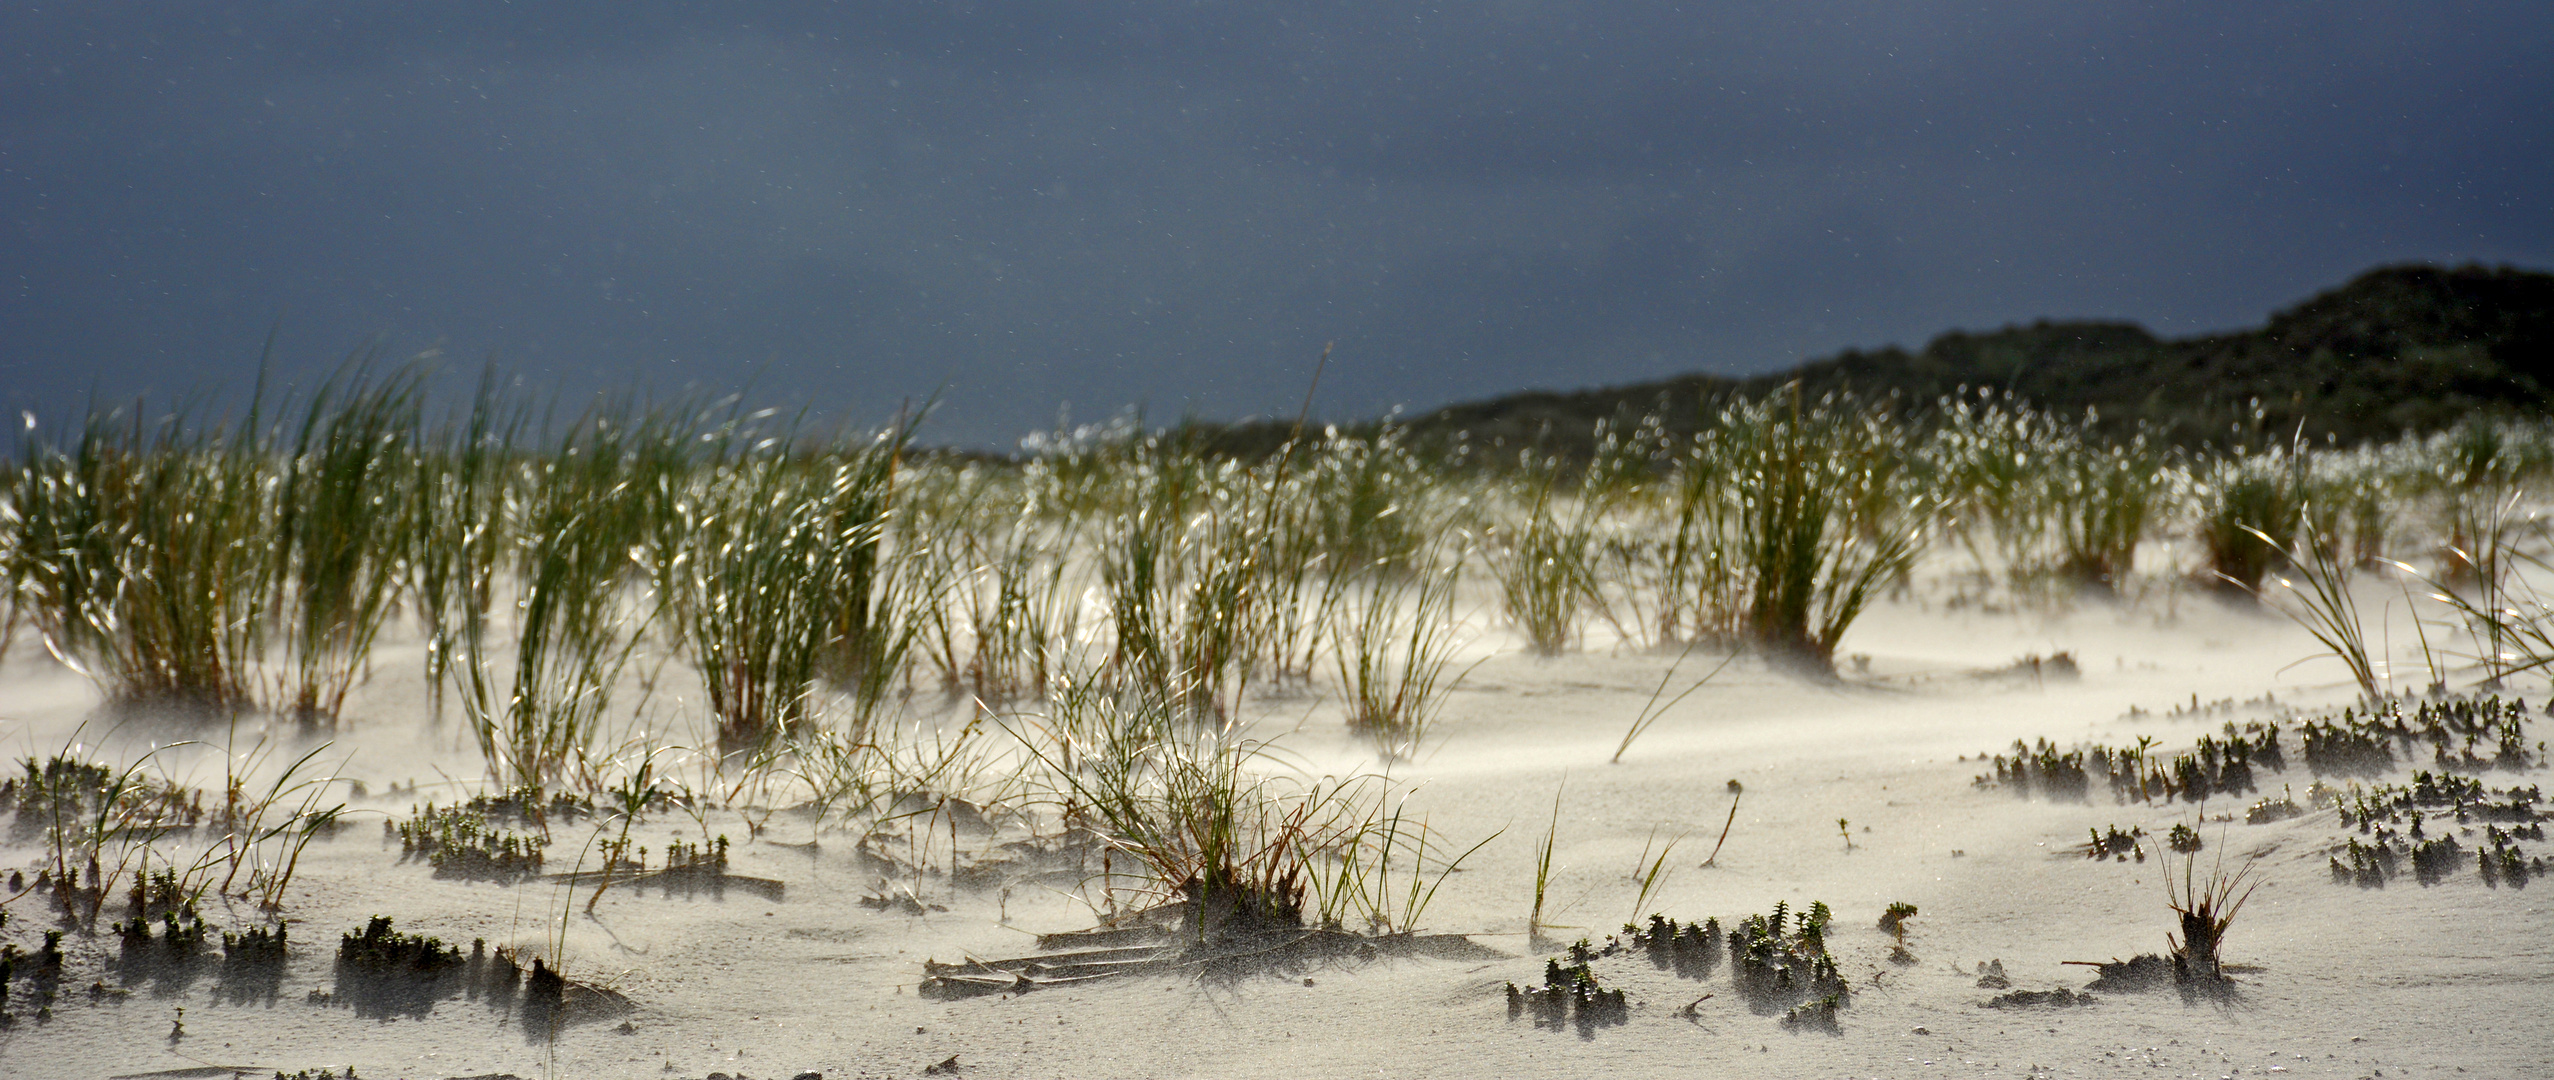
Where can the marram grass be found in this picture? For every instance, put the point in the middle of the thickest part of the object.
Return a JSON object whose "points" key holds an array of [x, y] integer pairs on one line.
{"points": [[1115, 598]]}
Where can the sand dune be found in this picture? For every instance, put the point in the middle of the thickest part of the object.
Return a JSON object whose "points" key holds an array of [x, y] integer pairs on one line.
{"points": [[1858, 793]]}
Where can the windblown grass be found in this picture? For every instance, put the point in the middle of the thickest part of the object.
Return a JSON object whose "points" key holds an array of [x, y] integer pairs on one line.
{"points": [[773, 568], [2108, 499], [1395, 642], [464, 493], [2325, 606], [341, 511], [1546, 568], [589, 505], [141, 554], [1125, 601], [2250, 513], [1996, 462], [1820, 524], [1223, 825]]}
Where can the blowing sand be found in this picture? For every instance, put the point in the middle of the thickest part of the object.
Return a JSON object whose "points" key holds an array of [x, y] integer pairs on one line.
{"points": [[1859, 793]]}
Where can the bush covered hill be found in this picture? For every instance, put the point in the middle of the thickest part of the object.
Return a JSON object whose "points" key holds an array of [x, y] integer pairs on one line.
{"points": [[2398, 349]]}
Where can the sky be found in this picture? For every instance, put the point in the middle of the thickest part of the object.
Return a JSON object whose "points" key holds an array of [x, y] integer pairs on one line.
{"points": [[1031, 210]]}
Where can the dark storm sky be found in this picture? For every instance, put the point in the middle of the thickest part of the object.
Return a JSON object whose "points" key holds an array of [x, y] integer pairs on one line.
{"points": [[1103, 202]]}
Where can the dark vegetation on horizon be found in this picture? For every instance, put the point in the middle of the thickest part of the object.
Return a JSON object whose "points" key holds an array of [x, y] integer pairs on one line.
{"points": [[2398, 350]]}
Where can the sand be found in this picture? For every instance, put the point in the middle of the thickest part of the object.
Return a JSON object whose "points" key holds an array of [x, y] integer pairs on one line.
{"points": [[2332, 980]]}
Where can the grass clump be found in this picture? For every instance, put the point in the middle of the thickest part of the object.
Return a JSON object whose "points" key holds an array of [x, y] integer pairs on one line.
{"points": [[464, 489], [2205, 911], [589, 504], [142, 555], [1545, 568], [1394, 642], [2109, 498], [341, 507], [2325, 607], [1820, 525], [2251, 510], [775, 567], [1220, 829]]}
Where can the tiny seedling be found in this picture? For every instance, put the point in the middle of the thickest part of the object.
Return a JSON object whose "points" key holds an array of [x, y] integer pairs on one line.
{"points": [[1894, 920], [1543, 868], [631, 798], [1736, 789], [1649, 872]]}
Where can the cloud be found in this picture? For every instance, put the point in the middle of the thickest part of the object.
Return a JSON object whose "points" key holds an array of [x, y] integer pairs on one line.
{"points": [[1026, 203]]}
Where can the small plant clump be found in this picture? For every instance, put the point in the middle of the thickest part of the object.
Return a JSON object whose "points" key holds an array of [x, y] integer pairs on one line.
{"points": [[90, 814], [2462, 798], [380, 950], [382, 972], [1569, 994], [43, 972], [459, 841], [177, 943], [2116, 845], [255, 947], [2217, 764], [2426, 826], [2394, 819], [688, 870], [2031, 999], [252, 968], [708, 860], [2462, 736], [2145, 971], [1691, 950], [2369, 866], [161, 892], [1781, 963], [2344, 748], [2500, 861], [1893, 921], [68, 787], [2270, 810]]}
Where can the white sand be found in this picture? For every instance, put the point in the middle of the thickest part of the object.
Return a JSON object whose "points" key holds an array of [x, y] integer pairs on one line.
{"points": [[2339, 981]]}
